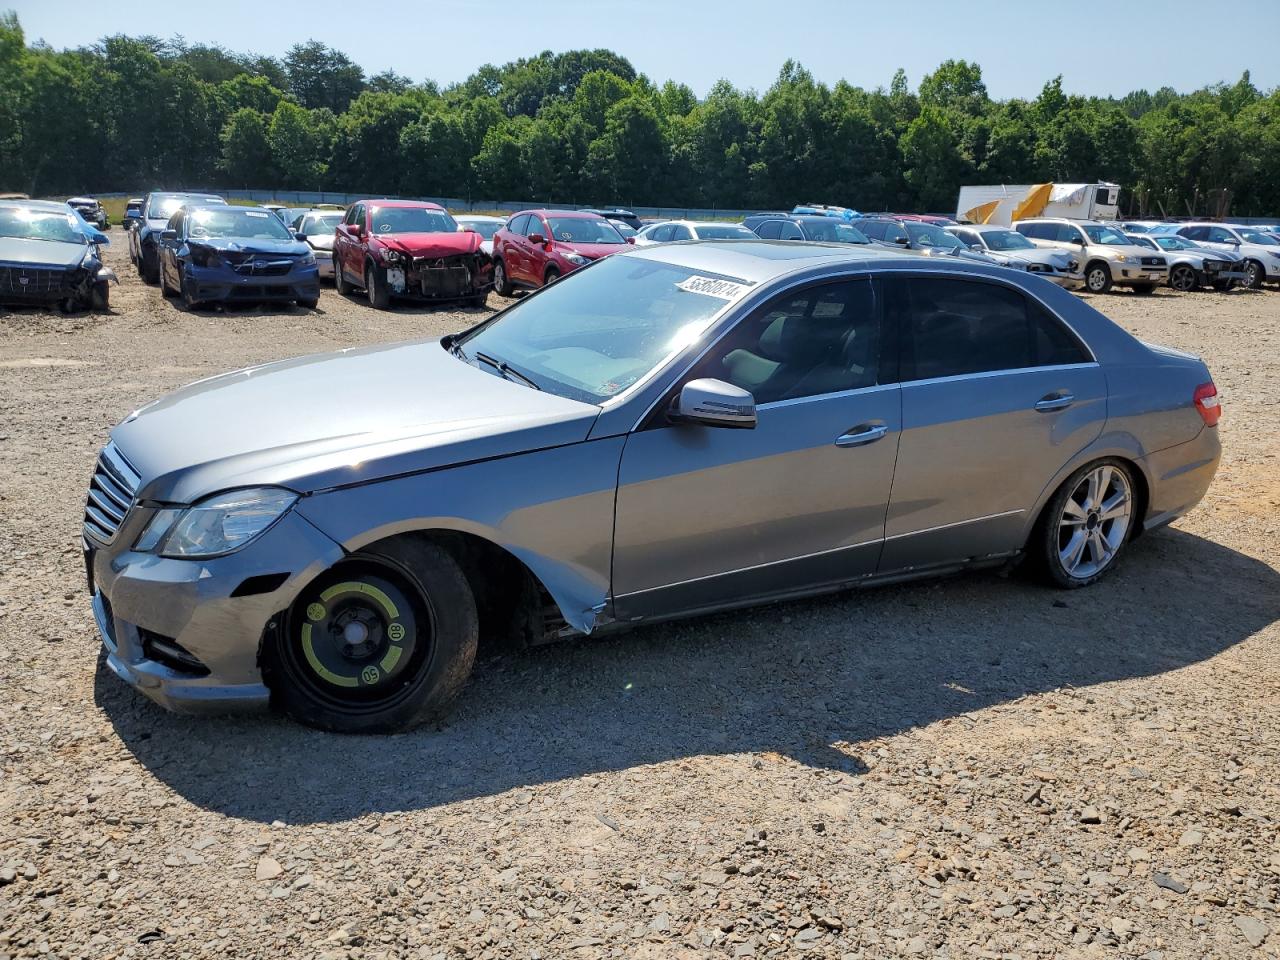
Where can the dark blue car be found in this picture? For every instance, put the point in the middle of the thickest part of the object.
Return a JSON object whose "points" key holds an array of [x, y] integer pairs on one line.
{"points": [[226, 253]]}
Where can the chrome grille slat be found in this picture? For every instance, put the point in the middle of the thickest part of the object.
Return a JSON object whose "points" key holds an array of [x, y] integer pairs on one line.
{"points": [[112, 511], [111, 493]]}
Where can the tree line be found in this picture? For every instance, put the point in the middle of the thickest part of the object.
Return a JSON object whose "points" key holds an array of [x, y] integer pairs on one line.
{"points": [[130, 113]]}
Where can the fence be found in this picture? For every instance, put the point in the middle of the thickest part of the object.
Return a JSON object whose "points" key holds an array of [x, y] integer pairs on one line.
{"points": [[303, 198]]}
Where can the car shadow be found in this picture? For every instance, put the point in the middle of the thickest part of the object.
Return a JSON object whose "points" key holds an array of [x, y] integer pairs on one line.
{"points": [[807, 679]]}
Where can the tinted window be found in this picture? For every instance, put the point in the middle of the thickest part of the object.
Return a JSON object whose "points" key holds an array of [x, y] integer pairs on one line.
{"points": [[894, 232], [1031, 230], [1195, 233], [873, 228], [771, 229], [354, 215], [823, 339], [1218, 235], [954, 327], [681, 232], [663, 233], [789, 231]]}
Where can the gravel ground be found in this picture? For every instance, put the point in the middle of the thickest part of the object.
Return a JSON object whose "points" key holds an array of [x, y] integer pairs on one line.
{"points": [[975, 767]]}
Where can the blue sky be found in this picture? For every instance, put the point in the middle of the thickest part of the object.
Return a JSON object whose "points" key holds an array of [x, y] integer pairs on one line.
{"points": [[1172, 42]]}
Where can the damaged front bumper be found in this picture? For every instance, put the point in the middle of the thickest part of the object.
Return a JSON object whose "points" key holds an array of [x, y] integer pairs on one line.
{"points": [[460, 277]]}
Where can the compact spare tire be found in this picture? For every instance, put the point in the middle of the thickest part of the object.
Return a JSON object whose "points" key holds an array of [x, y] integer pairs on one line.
{"points": [[381, 642]]}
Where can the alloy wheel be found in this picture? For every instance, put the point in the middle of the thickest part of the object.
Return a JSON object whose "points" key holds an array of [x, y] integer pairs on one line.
{"points": [[1253, 273], [1183, 279], [1095, 520], [1097, 280]]}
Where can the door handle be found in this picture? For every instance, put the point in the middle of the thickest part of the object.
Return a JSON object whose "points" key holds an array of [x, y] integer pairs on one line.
{"points": [[1055, 401], [858, 436]]}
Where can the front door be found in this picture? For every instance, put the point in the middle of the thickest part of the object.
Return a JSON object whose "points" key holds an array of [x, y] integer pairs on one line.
{"points": [[997, 394], [710, 517]]}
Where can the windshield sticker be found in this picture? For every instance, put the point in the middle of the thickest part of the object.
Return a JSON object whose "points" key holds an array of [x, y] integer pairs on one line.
{"points": [[713, 287], [257, 213]]}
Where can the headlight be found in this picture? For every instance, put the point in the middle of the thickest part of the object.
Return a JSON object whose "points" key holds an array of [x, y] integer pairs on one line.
{"points": [[309, 260], [220, 524], [1121, 258], [576, 259], [205, 257], [392, 256]]}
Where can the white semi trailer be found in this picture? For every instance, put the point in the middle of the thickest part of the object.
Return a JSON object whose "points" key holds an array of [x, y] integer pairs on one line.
{"points": [[1004, 204]]}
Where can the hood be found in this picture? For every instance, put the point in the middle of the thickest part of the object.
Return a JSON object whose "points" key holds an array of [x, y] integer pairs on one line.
{"points": [[251, 245], [44, 253], [317, 422], [592, 251], [1055, 258], [321, 241], [429, 244], [1133, 250]]}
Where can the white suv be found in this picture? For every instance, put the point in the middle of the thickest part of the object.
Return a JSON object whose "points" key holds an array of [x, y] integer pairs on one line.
{"points": [[1260, 253], [1109, 257]]}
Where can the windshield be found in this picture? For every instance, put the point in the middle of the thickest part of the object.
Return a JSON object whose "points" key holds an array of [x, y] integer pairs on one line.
{"points": [[412, 220], [24, 223], [595, 333], [1174, 243], [1253, 236], [486, 228], [1143, 242], [165, 206], [833, 231], [723, 231], [623, 228], [582, 230], [1108, 236], [322, 225], [927, 235], [206, 224], [1006, 240]]}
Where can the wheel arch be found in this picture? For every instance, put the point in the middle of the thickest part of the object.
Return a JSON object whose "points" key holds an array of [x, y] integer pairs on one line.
{"points": [[1127, 451]]}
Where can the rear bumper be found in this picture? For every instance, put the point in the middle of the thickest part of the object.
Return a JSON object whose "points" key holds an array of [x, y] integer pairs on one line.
{"points": [[1179, 477]]}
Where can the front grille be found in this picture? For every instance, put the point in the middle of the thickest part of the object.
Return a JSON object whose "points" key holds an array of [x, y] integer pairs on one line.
{"points": [[1153, 261], [34, 281], [111, 493], [258, 264]]}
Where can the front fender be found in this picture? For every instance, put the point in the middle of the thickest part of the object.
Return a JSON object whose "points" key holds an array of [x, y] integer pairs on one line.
{"points": [[552, 509]]}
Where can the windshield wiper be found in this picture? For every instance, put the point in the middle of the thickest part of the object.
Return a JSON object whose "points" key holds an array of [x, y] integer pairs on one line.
{"points": [[456, 349], [504, 368]]}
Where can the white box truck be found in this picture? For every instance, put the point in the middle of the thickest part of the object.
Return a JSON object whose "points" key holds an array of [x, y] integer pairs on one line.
{"points": [[1006, 203]]}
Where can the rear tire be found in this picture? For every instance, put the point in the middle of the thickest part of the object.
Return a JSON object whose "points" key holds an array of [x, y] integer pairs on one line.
{"points": [[188, 298], [149, 268], [551, 277], [309, 304], [339, 282], [1256, 274], [375, 287], [100, 298], [501, 282], [1144, 288], [380, 643], [1085, 525], [1097, 277]]}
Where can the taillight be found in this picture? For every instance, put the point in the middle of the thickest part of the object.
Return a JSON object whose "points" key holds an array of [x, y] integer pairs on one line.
{"points": [[1206, 401]]}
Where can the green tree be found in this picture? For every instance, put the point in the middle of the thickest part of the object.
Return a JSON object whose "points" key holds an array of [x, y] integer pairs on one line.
{"points": [[246, 149], [320, 76], [295, 147]]}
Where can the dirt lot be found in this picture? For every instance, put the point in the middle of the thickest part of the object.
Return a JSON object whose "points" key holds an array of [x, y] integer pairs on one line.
{"points": [[976, 767]]}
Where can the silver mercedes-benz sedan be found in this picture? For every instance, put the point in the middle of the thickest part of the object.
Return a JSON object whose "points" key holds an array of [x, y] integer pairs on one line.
{"points": [[674, 430]]}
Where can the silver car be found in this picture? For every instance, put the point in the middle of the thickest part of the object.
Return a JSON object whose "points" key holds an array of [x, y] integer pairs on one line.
{"points": [[1192, 266], [1011, 249], [317, 228], [672, 430]]}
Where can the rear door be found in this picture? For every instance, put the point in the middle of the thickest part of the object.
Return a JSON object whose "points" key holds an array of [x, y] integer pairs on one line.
{"points": [[997, 394], [513, 247], [709, 516]]}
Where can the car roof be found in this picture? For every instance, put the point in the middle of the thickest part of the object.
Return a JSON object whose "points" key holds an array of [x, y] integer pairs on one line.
{"points": [[1080, 223], [39, 204], [483, 218], [760, 260], [412, 204], [977, 227], [569, 214]]}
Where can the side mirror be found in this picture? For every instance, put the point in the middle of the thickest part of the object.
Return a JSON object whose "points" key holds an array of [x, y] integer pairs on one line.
{"points": [[714, 403], [1078, 241], [631, 240], [468, 230], [537, 239], [98, 237], [356, 229], [168, 234], [299, 235], [902, 241]]}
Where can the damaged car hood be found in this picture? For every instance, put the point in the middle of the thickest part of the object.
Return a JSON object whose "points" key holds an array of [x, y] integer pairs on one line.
{"points": [[44, 253], [430, 244], [313, 423], [250, 245], [594, 251]]}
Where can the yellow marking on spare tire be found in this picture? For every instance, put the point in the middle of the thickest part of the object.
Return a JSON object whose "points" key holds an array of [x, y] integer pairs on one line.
{"points": [[368, 590], [315, 612], [395, 632], [388, 662], [309, 649], [370, 675]]}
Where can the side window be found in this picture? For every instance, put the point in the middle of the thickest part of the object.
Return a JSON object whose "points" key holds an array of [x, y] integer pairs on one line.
{"points": [[954, 327], [1064, 233], [537, 225], [1219, 235], [894, 232], [874, 229], [823, 339], [968, 238], [770, 229], [681, 232], [789, 231], [1029, 230], [517, 225], [663, 233]]}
